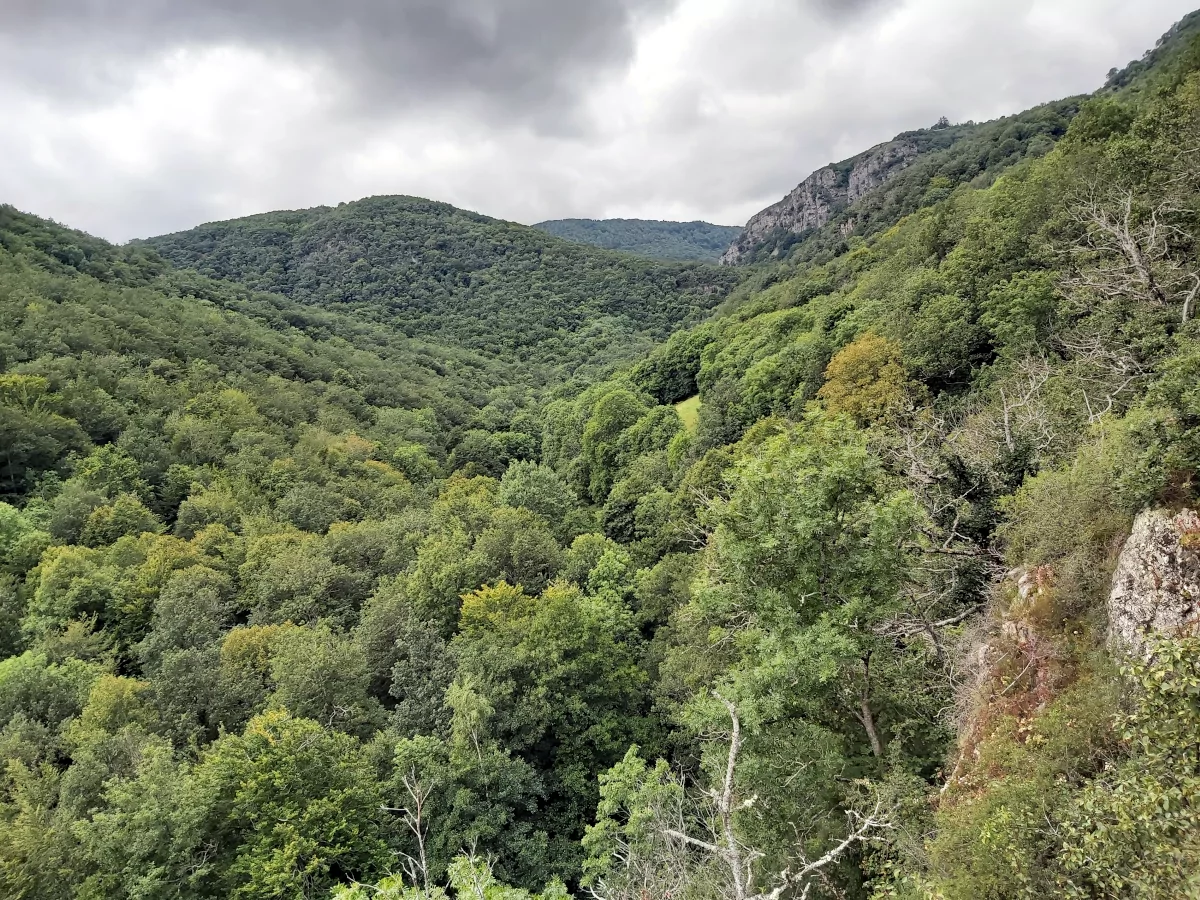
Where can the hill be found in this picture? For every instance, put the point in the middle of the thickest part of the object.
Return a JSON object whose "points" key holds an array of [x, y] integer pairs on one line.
{"points": [[430, 270], [647, 237], [941, 490], [100, 341], [870, 192]]}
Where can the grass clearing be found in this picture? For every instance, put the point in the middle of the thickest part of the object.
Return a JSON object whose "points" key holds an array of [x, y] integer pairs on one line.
{"points": [[689, 412]]}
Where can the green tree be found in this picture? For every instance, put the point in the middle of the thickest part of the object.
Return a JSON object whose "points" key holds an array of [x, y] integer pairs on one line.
{"points": [[292, 809], [322, 675]]}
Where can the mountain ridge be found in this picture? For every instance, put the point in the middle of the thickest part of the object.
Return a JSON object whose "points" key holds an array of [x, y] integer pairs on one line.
{"points": [[658, 238], [870, 191], [852, 196]]}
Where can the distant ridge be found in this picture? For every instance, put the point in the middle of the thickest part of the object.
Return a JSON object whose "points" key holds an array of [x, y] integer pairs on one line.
{"points": [[431, 270], [701, 241]]}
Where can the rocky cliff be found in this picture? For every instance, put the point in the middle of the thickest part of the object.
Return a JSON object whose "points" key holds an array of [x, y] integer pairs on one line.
{"points": [[871, 192], [1156, 587], [826, 191]]}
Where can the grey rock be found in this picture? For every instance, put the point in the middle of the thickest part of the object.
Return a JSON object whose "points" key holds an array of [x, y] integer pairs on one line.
{"points": [[1156, 587], [824, 193]]}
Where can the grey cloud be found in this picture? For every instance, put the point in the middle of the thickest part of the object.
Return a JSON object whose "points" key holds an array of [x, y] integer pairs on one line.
{"points": [[697, 108], [520, 57], [846, 9]]}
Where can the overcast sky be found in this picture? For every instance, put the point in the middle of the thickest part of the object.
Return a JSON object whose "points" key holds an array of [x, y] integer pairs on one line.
{"points": [[129, 118]]}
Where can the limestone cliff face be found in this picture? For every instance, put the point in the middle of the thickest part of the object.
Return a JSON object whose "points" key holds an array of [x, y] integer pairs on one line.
{"points": [[1156, 587], [826, 191]]}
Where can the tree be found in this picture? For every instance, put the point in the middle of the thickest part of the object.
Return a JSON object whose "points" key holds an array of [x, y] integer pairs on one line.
{"points": [[517, 546], [290, 810], [1130, 831], [1136, 254], [644, 841], [560, 677], [600, 442], [474, 794], [322, 675], [287, 577], [539, 489], [124, 516], [866, 381], [807, 556], [33, 436]]}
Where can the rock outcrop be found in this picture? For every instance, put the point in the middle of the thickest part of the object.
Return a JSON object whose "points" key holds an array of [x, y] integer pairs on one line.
{"points": [[1156, 587], [820, 196]]}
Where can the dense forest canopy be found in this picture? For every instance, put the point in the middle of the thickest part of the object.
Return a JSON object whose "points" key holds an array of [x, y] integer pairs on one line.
{"points": [[318, 579], [430, 270], [647, 237]]}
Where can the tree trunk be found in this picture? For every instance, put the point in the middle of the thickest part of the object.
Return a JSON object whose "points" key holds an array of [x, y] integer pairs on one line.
{"points": [[864, 713], [868, 722]]}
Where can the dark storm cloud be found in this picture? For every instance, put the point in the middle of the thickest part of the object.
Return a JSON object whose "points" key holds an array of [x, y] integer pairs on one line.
{"points": [[521, 56]]}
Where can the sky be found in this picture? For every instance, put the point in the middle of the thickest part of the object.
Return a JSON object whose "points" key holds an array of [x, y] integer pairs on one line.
{"points": [[129, 118]]}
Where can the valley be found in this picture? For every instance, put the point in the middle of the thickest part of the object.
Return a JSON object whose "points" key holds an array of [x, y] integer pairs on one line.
{"points": [[391, 550]]}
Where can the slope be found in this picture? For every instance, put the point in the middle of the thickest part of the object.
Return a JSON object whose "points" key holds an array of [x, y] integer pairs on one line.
{"points": [[870, 192], [699, 241], [914, 468], [429, 269], [100, 329]]}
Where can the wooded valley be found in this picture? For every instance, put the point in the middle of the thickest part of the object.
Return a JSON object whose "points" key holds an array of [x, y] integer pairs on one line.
{"points": [[389, 550]]}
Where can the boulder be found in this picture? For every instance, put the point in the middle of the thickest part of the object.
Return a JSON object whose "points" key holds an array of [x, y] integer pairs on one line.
{"points": [[1156, 587]]}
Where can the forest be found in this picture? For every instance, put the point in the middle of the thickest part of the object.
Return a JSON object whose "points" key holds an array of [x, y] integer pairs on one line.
{"points": [[662, 240], [427, 269], [391, 551]]}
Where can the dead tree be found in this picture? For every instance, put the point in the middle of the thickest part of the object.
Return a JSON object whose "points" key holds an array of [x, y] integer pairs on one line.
{"points": [[738, 860], [1023, 411], [1105, 373], [416, 866], [1125, 255]]}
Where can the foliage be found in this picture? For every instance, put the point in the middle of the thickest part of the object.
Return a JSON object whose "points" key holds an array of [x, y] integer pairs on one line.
{"points": [[661, 240], [947, 156], [430, 270], [293, 604], [1131, 831], [866, 381]]}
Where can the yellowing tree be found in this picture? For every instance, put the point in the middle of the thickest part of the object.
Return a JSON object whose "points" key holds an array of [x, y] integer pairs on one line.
{"points": [[866, 380]]}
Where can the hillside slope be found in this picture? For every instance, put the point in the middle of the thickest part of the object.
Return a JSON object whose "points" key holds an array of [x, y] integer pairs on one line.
{"points": [[429, 269], [942, 491], [699, 241], [870, 192], [99, 329]]}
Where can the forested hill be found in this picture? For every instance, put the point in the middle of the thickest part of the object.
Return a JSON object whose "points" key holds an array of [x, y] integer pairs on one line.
{"points": [[872, 191], [647, 237], [102, 344], [429, 269], [946, 481]]}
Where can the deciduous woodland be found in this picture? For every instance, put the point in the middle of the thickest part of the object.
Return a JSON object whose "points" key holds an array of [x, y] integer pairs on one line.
{"points": [[392, 551]]}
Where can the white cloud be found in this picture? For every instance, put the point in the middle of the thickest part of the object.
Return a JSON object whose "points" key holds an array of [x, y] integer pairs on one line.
{"points": [[718, 109]]}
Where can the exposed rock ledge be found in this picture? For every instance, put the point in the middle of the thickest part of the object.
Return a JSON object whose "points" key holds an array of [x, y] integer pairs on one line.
{"points": [[1156, 587], [822, 194]]}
